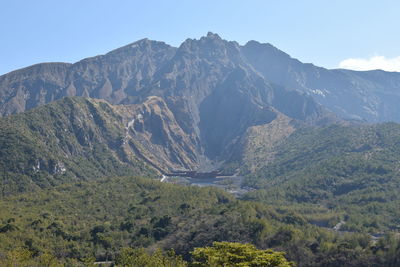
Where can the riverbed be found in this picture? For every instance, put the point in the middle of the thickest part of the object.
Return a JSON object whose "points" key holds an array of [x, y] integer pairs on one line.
{"points": [[231, 184]]}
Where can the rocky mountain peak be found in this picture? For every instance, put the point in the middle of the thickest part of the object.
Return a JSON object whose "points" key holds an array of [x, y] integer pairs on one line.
{"points": [[212, 35], [211, 47]]}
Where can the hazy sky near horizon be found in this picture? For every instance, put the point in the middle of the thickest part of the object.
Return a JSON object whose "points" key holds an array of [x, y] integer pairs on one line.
{"points": [[356, 34]]}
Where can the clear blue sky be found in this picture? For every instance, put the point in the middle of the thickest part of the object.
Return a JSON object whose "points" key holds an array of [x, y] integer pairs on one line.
{"points": [[323, 32]]}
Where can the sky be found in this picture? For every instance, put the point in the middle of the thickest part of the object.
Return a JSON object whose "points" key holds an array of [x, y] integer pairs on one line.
{"points": [[354, 34]]}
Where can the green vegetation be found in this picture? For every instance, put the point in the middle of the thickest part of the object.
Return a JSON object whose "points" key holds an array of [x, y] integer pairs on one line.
{"points": [[140, 258], [22, 257], [236, 254], [221, 254], [98, 219], [336, 173]]}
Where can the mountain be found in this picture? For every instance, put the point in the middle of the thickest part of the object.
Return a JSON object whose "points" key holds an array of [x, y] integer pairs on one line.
{"points": [[138, 70], [115, 77], [197, 101], [357, 95]]}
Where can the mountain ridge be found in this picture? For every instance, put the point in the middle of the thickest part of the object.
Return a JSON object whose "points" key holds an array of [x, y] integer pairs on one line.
{"points": [[125, 74]]}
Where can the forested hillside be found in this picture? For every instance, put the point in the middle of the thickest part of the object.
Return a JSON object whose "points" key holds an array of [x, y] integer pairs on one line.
{"points": [[350, 171], [70, 140], [97, 219]]}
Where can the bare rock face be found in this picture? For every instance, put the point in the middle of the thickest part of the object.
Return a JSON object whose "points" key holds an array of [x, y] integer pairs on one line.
{"points": [[153, 133]]}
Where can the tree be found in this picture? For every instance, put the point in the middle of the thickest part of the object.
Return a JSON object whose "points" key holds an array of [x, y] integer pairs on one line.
{"points": [[236, 254], [140, 258]]}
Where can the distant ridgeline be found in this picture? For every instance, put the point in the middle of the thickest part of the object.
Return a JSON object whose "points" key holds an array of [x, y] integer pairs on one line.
{"points": [[198, 73]]}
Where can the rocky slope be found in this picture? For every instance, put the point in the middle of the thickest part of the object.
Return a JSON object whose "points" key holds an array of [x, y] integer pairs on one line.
{"points": [[153, 134]]}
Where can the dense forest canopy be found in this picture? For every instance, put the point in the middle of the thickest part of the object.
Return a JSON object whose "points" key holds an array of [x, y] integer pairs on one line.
{"points": [[98, 219]]}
